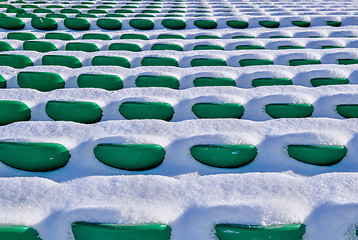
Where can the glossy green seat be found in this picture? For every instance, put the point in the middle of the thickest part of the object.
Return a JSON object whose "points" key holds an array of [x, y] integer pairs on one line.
{"points": [[175, 24], [347, 61], [26, 15], [150, 11], [70, 11], [157, 81], [317, 154], [56, 15], [134, 36], [199, 62], [46, 24], [208, 47], [42, 81], [15, 10], [123, 11], [4, 46], [146, 110], [104, 81], [249, 47], [304, 24], [258, 82], [218, 110], [334, 23], [59, 36], [132, 47], [13, 111], [331, 46], [316, 82], [41, 10], [259, 232], [18, 232], [255, 62], [115, 15], [110, 61], [269, 24], [237, 24], [205, 24], [97, 11], [109, 24], [213, 81], [289, 110], [2, 82], [299, 62], [141, 24], [141, 15], [284, 47], [159, 61], [15, 61], [131, 157], [39, 46], [95, 231], [348, 110], [78, 24], [23, 36], [96, 36], [85, 15], [75, 111], [34, 157], [84, 47], [61, 60], [224, 156], [242, 37], [170, 36], [173, 47]]}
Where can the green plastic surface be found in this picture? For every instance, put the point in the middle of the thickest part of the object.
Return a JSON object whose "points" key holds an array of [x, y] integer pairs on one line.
{"points": [[84, 47], [70, 11], [134, 36], [334, 23], [331, 46], [213, 81], [59, 36], [46, 24], [317, 154], [173, 47], [131, 157], [157, 81], [110, 61], [224, 156], [115, 15], [348, 110], [26, 15], [218, 110], [237, 24], [2, 82], [304, 24], [208, 47], [56, 15], [61, 60], [242, 37], [159, 61], [141, 24], [170, 36], [34, 157], [206, 24], [96, 36], [104, 81], [13, 111], [316, 82], [146, 110], [15, 61], [269, 24], [18, 232], [42, 81], [257, 232], [96, 231], [109, 24], [258, 82], [289, 47], [85, 15], [289, 110], [39, 46], [4, 46], [207, 37], [41, 10], [123, 11], [75, 111], [344, 61], [199, 62], [175, 24], [23, 36], [255, 62], [132, 47], [15, 10], [78, 24], [249, 47], [299, 62]]}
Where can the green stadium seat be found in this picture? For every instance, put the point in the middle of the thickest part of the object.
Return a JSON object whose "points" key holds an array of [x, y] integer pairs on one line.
{"points": [[4, 46], [131, 157], [331, 46], [258, 82], [205, 24], [159, 61], [13, 111], [237, 24], [78, 24], [86, 15], [15, 10], [41, 10], [75, 111], [157, 81], [18, 232], [115, 15], [39, 46], [70, 11], [269, 24], [109, 24], [255, 62], [299, 62], [304, 24], [46, 24], [213, 81], [175, 24], [334, 23], [23, 36], [110, 61], [218, 110], [96, 36], [289, 110], [208, 47], [284, 47], [15, 61], [132, 47], [42, 81], [199, 62], [104, 81], [59, 36], [84, 47], [123, 11], [141, 24], [97, 11], [134, 36], [34, 157], [348, 110], [26, 15], [56, 15], [344, 61], [316, 82], [170, 36], [61, 60], [141, 15], [146, 110], [173, 47], [249, 47]]}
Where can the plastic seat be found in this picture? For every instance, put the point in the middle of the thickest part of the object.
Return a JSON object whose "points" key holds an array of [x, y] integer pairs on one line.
{"points": [[42, 81], [131, 157], [242, 37], [157, 81], [26, 15], [34, 157], [237, 24], [249, 47], [61, 60], [317, 154], [123, 11], [347, 61], [13, 111], [255, 62], [159, 61], [199, 62], [86, 15], [132, 47], [213, 81], [173, 47], [269, 24], [84, 47], [208, 47], [146, 110], [289, 110], [110, 61], [75, 111], [78, 24], [15, 61], [205, 24], [104, 81], [70, 11], [59, 36], [304, 24], [18, 232], [97, 11], [175, 24], [4, 46], [141, 15], [56, 15], [207, 37], [23, 36], [284, 47], [299, 62], [141, 24], [109, 24], [95, 231], [39, 46], [46, 24], [224, 156], [257, 232], [170, 36], [316, 82], [96, 36], [348, 110], [334, 23], [134, 36], [115, 15], [15, 10], [218, 110], [258, 82], [41, 10]]}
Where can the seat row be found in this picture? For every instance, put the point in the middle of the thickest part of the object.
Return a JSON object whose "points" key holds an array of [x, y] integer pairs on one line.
{"points": [[157, 231], [45, 157]]}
